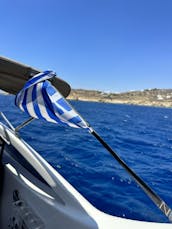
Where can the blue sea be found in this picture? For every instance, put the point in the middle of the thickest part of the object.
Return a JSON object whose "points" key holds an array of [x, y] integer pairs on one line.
{"points": [[142, 137]]}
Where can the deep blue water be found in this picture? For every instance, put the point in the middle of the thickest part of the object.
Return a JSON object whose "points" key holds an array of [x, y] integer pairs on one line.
{"points": [[142, 136]]}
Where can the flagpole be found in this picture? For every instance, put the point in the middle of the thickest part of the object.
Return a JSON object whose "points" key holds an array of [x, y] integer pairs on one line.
{"points": [[152, 195], [24, 124]]}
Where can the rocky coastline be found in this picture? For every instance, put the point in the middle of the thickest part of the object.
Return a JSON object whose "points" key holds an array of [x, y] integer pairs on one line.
{"points": [[149, 97]]}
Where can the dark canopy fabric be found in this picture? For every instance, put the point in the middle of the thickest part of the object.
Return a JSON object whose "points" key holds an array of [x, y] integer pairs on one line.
{"points": [[13, 76]]}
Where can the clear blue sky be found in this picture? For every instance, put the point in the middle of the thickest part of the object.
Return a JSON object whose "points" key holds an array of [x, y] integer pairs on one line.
{"points": [[110, 45]]}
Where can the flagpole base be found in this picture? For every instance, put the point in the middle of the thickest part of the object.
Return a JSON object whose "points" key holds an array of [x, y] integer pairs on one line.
{"points": [[24, 124]]}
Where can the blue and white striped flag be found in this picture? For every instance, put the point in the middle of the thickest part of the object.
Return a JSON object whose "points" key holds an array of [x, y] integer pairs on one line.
{"points": [[41, 100]]}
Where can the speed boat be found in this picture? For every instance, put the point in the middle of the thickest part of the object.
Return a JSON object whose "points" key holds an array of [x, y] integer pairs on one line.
{"points": [[33, 195]]}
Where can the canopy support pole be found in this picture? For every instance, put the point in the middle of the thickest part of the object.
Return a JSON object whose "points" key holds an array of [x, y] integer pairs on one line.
{"points": [[7, 121]]}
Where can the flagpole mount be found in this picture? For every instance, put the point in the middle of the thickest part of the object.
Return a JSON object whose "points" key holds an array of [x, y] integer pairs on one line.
{"points": [[24, 124]]}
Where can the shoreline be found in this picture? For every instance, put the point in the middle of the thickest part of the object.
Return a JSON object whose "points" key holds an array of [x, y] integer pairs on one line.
{"points": [[153, 97], [161, 98], [123, 103]]}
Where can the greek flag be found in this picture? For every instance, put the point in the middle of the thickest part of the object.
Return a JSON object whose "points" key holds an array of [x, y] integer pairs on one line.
{"points": [[41, 100]]}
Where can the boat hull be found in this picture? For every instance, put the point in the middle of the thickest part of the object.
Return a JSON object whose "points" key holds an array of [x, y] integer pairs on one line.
{"points": [[34, 195]]}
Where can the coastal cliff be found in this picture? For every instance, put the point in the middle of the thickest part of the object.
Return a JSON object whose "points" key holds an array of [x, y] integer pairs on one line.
{"points": [[149, 97]]}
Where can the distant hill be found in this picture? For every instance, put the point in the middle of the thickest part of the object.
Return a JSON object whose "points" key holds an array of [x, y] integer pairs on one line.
{"points": [[149, 97]]}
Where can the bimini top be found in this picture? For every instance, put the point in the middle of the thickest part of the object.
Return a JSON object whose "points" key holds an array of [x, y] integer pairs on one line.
{"points": [[13, 76]]}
